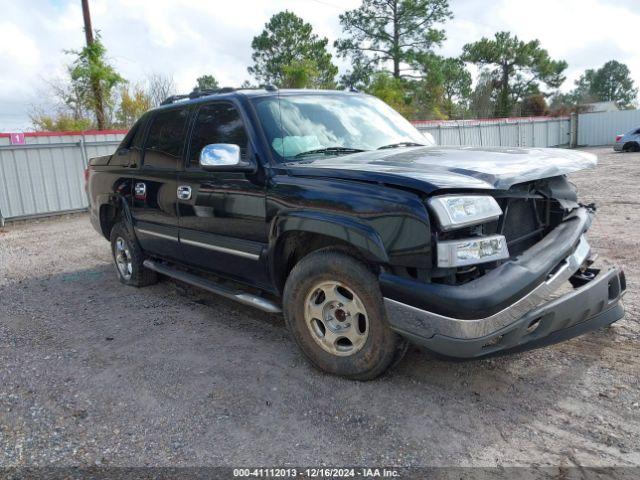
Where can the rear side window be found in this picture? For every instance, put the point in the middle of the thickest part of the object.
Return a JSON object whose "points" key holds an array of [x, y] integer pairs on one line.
{"points": [[138, 136], [134, 136], [128, 138], [165, 139], [217, 123]]}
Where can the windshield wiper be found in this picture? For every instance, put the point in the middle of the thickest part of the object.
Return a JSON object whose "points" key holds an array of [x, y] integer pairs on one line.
{"points": [[329, 150], [401, 144]]}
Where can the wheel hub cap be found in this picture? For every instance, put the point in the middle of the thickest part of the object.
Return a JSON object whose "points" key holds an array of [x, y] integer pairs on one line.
{"points": [[336, 318]]}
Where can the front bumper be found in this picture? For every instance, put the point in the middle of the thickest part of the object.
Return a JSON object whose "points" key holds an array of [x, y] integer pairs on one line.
{"points": [[530, 322]]}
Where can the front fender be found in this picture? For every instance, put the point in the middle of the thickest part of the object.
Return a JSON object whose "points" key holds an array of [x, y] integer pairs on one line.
{"points": [[346, 229]]}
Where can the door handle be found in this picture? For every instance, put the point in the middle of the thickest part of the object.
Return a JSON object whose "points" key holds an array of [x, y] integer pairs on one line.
{"points": [[184, 192], [140, 189]]}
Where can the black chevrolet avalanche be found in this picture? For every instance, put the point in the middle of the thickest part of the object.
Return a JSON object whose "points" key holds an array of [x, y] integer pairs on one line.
{"points": [[332, 208]]}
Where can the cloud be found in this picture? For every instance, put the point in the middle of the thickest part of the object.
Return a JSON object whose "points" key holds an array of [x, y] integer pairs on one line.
{"points": [[191, 38], [571, 30], [17, 47]]}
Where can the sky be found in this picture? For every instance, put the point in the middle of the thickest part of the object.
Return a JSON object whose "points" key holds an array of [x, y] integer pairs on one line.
{"points": [[190, 38]]}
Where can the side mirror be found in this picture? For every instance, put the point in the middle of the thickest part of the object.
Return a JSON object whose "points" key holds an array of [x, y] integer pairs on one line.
{"points": [[224, 157]]}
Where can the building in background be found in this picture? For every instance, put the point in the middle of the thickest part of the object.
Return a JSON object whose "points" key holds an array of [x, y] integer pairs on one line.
{"points": [[597, 107]]}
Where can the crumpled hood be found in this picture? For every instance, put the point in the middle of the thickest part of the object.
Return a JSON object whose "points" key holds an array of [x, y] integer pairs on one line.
{"points": [[435, 168]]}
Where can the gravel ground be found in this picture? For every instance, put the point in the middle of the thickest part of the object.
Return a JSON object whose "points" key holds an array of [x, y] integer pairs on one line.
{"points": [[93, 372]]}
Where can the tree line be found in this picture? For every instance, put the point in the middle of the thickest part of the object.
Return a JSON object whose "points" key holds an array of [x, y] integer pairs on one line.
{"points": [[391, 47]]}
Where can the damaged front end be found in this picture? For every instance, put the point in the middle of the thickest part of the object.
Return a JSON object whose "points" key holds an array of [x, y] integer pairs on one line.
{"points": [[493, 282]]}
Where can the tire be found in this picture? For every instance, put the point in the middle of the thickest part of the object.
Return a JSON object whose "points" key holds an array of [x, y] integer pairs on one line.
{"points": [[128, 258], [353, 338], [631, 147]]}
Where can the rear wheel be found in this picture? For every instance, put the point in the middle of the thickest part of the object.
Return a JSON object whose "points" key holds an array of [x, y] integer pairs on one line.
{"points": [[334, 310], [128, 258], [631, 147]]}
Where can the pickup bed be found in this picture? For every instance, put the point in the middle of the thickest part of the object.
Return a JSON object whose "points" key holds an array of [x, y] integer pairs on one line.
{"points": [[332, 208]]}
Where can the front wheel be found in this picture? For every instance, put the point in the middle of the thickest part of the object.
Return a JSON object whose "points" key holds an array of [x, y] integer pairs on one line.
{"points": [[128, 258], [334, 310]]}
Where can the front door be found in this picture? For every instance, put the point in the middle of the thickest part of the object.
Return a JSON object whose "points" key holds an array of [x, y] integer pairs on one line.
{"points": [[154, 207], [222, 214]]}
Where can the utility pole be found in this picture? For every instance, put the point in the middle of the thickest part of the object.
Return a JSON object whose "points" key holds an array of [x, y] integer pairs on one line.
{"points": [[95, 82]]}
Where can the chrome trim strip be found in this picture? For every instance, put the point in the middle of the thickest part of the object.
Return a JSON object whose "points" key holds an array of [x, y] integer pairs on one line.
{"points": [[434, 323], [156, 234], [217, 248]]}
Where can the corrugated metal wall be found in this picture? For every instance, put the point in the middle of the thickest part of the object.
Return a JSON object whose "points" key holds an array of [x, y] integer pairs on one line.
{"points": [[507, 132], [601, 128], [45, 175]]}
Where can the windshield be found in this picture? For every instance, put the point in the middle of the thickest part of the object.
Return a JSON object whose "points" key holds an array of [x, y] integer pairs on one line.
{"points": [[308, 125]]}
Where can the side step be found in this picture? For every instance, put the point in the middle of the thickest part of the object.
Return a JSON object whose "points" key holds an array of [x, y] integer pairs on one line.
{"points": [[197, 281]]}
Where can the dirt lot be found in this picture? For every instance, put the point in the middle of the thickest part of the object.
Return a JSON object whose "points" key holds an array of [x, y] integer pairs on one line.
{"points": [[93, 372]]}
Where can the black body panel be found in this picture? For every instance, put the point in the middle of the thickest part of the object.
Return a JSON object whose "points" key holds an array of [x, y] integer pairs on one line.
{"points": [[155, 212], [390, 225], [222, 226]]}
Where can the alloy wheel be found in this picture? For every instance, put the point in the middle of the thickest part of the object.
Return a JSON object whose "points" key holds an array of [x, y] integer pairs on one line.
{"points": [[336, 318]]}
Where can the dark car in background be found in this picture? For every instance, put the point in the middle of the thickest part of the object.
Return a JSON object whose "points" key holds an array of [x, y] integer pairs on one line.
{"points": [[331, 207]]}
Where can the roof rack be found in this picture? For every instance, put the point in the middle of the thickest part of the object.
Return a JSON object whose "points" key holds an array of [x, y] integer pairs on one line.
{"points": [[173, 98], [196, 93]]}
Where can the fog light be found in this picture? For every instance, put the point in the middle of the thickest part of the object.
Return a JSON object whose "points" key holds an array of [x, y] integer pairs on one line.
{"points": [[470, 251]]}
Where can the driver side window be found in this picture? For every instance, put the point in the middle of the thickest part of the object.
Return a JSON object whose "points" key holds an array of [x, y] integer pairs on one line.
{"points": [[217, 123]]}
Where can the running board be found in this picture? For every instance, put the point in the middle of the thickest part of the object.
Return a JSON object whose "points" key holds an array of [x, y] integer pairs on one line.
{"points": [[197, 281]]}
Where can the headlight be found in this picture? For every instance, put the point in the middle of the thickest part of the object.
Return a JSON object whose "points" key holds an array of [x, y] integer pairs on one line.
{"points": [[456, 211], [470, 251]]}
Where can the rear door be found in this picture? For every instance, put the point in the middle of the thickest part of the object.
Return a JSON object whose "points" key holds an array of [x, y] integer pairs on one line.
{"points": [[223, 220], [154, 207]]}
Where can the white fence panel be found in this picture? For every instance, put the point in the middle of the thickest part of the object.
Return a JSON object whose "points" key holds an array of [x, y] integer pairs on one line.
{"points": [[45, 175], [504, 132], [601, 128]]}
